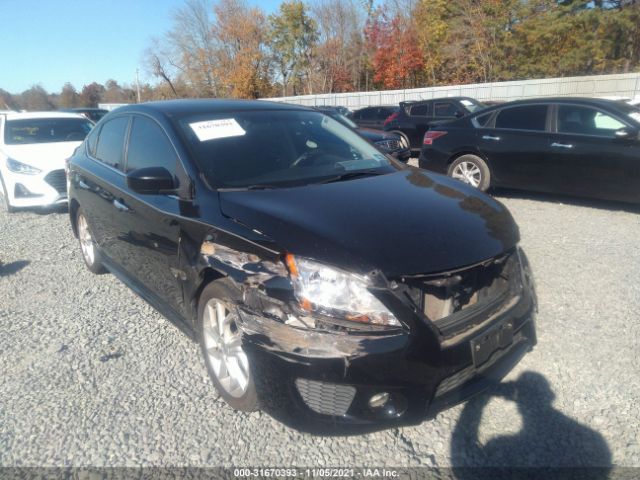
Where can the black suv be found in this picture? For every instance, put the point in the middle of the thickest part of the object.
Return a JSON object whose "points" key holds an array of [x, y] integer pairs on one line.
{"points": [[413, 119], [327, 284]]}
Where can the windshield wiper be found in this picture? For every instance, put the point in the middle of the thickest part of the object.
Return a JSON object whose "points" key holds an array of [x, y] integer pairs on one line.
{"points": [[352, 175], [249, 187]]}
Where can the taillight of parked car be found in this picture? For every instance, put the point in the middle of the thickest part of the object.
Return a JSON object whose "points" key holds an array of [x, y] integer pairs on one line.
{"points": [[391, 117], [431, 135]]}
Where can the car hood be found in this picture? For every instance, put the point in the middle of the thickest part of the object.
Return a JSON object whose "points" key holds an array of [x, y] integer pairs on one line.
{"points": [[401, 223], [45, 156], [374, 135]]}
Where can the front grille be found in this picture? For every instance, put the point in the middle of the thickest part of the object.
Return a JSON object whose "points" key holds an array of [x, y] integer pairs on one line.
{"points": [[391, 145], [326, 398], [58, 180], [457, 301]]}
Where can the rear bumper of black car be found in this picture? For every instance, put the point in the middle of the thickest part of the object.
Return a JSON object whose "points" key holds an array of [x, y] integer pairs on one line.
{"points": [[323, 382], [434, 160]]}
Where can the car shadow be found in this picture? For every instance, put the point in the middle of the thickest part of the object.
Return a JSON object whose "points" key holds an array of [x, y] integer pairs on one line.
{"points": [[7, 269], [566, 199], [549, 445]]}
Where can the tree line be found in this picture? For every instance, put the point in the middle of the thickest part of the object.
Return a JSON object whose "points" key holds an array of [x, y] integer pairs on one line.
{"points": [[228, 48]]}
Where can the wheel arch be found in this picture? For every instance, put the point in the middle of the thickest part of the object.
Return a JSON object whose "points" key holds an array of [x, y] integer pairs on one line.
{"points": [[73, 216]]}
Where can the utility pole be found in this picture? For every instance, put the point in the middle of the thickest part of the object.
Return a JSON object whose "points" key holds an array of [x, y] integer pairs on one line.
{"points": [[138, 85]]}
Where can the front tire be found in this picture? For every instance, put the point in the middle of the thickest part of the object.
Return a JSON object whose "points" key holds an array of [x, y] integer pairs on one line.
{"points": [[90, 254], [221, 344], [4, 200], [471, 170]]}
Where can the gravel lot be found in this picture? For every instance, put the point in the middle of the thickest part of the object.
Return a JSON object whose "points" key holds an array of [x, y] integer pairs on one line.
{"points": [[93, 376]]}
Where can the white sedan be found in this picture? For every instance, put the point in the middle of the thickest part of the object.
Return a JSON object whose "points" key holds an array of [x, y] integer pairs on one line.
{"points": [[33, 150]]}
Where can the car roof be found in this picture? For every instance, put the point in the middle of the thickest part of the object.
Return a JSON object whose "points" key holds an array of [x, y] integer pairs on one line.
{"points": [[594, 102], [34, 115], [83, 109], [196, 106]]}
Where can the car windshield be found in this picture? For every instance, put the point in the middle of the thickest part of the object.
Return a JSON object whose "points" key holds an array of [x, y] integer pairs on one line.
{"points": [[341, 118], [46, 130], [270, 148], [472, 105]]}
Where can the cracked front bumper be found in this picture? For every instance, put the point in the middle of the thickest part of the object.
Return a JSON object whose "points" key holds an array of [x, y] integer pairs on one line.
{"points": [[322, 382]]}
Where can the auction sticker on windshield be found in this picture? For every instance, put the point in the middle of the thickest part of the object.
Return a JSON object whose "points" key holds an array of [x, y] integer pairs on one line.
{"points": [[214, 129]]}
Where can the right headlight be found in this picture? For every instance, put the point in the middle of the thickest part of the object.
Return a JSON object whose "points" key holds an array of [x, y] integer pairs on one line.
{"points": [[19, 167], [334, 292]]}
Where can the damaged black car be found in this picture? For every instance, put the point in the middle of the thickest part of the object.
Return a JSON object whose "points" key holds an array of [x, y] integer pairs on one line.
{"points": [[328, 284]]}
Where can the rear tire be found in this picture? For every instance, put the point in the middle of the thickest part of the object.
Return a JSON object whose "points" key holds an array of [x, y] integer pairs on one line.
{"points": [[471, 170], [90, 253], [4, 200], [221, 344]]}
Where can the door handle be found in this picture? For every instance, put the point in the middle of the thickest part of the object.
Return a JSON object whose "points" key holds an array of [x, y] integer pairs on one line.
{"points": [[489, 137], [120, 206], [83, 185], [561, 145]]}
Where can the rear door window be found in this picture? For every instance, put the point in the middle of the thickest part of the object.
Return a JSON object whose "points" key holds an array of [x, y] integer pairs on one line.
{"points": [[525, 117], [149, 146], [581, 120], [421, 110], [444, 109], [110, 146]]}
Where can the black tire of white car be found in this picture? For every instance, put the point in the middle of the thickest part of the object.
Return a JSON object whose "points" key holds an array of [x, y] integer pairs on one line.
{"points": [[221, 291], [93, 265], [6, 206], [485, 174]]}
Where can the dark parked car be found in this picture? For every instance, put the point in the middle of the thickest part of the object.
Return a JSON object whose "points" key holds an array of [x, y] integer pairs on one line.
{"points": [[373, 117], [93, 114], [327, 284], [413, 119], [388, 142], [337, 108], [575, 146]]}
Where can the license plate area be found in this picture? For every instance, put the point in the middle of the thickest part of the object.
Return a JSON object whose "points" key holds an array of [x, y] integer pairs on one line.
{"points": [[497, 338]]}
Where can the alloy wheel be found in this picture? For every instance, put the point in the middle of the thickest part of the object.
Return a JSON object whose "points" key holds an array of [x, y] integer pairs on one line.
{"points": [[86, 241], [223, 344], [467, 172]]}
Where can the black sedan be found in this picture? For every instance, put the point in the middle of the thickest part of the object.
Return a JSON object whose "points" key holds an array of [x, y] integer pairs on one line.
{"points": [[575, 146], [326, 283], [390, 143]]}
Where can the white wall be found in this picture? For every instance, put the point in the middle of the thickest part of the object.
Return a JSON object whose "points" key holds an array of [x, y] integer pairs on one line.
{"points": [[626, 85]]}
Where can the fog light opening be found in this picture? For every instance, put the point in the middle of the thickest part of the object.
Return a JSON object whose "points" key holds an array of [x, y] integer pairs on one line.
{"points": [[379, 400]]}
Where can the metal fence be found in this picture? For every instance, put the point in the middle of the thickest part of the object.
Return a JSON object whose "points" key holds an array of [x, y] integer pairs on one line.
{"points": [[626, 85]]}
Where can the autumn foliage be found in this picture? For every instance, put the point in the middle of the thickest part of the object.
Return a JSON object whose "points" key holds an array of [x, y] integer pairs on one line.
{"points": [[397, 59]]}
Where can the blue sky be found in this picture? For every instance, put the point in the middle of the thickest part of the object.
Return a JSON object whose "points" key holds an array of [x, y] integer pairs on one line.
{"points": [[50, 42]]}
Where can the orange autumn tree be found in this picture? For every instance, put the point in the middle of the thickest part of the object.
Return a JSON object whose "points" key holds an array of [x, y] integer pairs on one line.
{"points": [[396, 58]]}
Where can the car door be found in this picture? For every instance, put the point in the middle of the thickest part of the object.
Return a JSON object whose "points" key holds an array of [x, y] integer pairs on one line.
{"points": [[591, 159], [149, 230], [99, 185], [419, 119], [517, 144]]}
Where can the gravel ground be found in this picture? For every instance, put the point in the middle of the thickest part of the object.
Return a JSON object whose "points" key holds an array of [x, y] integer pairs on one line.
{"points": [[93, 376]]}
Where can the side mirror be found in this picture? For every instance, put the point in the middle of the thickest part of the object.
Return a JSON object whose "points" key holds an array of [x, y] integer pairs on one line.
{"points": [[459, 114], [150, 180], [626, 133]]}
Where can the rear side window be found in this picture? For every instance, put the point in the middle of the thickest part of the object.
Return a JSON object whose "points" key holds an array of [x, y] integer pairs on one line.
{"points": [[420, 110], [444, 109], [483, 120], [586, 121], [526, 117], [149, 146], [366, 114], [111, 142]]}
